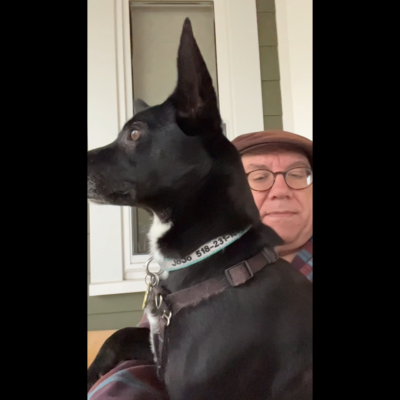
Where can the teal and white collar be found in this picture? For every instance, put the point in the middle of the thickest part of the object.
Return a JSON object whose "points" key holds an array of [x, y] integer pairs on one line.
{"points": [[203, 252]]}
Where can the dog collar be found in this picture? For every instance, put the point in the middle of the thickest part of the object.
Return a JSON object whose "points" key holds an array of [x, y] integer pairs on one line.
{"points": [[206, 250]]}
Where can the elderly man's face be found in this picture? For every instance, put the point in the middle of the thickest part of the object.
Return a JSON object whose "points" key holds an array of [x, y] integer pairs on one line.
{"points": [[287, 211]]}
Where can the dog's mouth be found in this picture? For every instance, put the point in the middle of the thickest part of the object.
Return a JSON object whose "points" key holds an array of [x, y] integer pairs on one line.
{"points": [[98, 200], [121, 193], [98, 187], [120, 196]]}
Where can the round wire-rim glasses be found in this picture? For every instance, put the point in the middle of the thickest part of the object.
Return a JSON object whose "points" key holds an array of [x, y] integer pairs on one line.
{"points": [[297, 178]]}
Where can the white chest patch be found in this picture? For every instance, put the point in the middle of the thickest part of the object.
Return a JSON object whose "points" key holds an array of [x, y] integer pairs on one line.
{"points": [[157, 231]]}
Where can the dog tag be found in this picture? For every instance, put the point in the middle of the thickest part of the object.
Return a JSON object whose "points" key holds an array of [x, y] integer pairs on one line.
{"points": [[146, 296]]}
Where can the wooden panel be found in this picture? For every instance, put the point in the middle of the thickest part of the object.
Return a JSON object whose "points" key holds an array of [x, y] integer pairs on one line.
{"points": [[95, 340]]}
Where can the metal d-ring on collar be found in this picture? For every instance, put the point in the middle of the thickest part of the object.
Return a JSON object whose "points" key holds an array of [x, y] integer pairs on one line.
{"points": [[154, 280], [154, 276]]}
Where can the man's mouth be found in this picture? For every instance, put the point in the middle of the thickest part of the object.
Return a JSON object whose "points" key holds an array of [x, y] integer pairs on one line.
{"points": [[279, 214]]}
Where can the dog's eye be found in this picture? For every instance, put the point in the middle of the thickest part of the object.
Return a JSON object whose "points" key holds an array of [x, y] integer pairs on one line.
{"points": [[135, 134]]}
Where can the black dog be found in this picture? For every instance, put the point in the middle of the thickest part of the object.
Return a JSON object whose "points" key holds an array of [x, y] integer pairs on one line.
{"points": [[250, 338]]}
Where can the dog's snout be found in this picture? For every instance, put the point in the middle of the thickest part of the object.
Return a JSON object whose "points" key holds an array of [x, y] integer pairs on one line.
{"points": [[106, 155]]}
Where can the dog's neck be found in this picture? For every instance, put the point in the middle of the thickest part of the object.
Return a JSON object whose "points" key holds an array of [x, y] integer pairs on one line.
{"points": [[174, 239], [171, 249], [206, 250], [176, 234]]}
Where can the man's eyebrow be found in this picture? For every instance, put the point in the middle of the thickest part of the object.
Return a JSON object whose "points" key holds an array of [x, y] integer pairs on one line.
{"points": [[299, 164], [257, 166], [293, 165]]}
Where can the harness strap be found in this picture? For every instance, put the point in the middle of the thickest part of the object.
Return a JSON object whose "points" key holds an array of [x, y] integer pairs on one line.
{"points": [[169, 304]]}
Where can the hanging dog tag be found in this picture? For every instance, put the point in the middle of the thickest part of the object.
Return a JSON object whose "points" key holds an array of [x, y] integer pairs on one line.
{"points": [[146, 295]]}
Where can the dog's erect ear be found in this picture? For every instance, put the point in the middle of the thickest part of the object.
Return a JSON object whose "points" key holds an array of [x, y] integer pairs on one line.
{"points": [[194, 97], [139, 105]]}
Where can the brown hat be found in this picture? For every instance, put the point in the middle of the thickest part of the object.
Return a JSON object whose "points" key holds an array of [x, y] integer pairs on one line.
{"points": [[251, 141]]}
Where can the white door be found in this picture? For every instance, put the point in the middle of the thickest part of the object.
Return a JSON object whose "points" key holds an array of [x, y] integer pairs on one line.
{"points": [[132, 49]]}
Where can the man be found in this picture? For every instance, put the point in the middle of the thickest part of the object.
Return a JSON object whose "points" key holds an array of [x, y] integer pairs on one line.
{"points": [[278, 165], [284, 200]]}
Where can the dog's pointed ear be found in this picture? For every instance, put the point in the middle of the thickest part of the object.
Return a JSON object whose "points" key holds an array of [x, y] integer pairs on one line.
{"points": [[139, 105], [194, 97]]}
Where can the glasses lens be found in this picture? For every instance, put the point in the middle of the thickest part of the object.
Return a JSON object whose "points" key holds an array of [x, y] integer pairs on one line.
{"points": [[260, 179], [299, 178]]}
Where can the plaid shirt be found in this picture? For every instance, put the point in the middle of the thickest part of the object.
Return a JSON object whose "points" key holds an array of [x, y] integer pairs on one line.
{"points": [[303, 260], [137, 380]]}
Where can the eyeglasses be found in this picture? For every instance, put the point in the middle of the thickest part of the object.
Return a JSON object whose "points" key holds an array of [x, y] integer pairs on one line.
{"points": [[296, 178]]}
